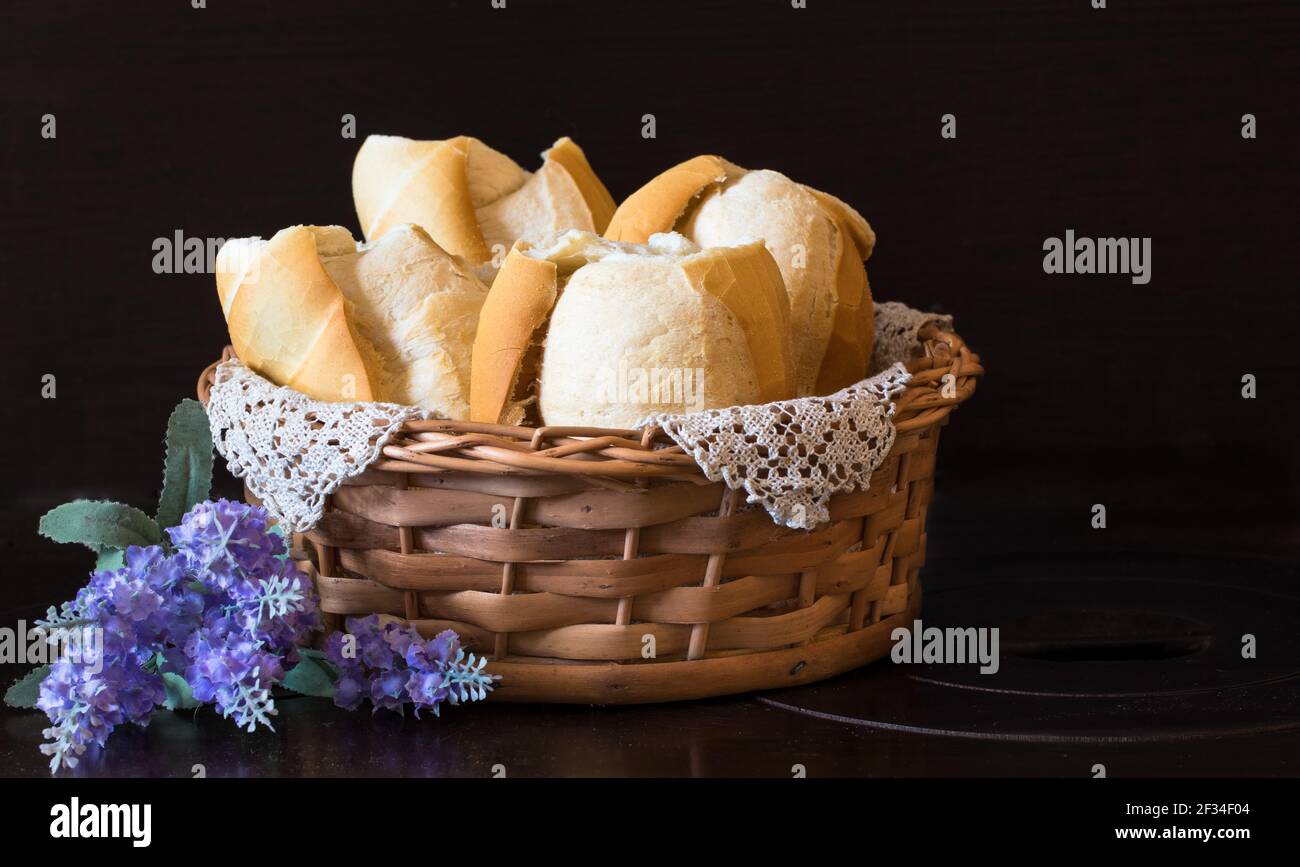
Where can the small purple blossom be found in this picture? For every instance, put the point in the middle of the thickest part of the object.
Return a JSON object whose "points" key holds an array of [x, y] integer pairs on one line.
{"points": [[225, 610], [390, 663], [85, 705], [227, 542], [236, 673]]}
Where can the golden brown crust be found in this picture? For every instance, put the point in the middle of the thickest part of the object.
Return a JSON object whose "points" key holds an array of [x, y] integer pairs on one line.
{"points": [[234, 260], [511, 323], [288, 322], [599, 202], [434, 192], [848, 351], [857, 226], [658, 205], [748, 282]]}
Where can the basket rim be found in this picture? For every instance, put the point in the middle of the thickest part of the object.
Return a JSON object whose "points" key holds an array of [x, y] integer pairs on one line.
{"points": [[621, 457]]}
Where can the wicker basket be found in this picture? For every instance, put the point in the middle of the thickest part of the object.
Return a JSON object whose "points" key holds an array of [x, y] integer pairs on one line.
{"points": [[559, 551]]}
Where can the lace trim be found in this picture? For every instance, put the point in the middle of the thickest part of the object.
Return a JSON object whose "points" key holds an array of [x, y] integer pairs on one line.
{"points": [[792, 456], [290, 450], [897, 326]]}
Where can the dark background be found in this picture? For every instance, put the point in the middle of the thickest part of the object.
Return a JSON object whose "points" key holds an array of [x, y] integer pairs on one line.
{"points": [[225, 122]]}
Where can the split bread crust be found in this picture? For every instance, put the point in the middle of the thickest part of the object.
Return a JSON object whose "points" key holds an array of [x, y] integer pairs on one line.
{"points": [[578, 330], [819, 243], [393, 320], [473, 200]]}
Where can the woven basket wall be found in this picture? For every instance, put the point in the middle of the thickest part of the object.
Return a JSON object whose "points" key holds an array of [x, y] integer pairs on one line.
{"points": [[569, 554]]}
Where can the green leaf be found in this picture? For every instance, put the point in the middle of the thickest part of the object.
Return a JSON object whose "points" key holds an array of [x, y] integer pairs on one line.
{"points": [[109, 560], [313, 675], [179, 694], [187, 468], [100, 525], [24, 691]]}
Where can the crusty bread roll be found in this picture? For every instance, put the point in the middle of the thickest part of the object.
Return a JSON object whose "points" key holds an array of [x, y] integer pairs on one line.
{"points": [[287, 318], [818, 242], [473, 200], [578, 330], [393, 320], [417, 308]]}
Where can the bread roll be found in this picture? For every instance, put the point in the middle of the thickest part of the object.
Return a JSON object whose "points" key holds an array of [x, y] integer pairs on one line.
{"points": [[818, 242], [403, 315], [578, 330], [287, 318], [473, 200]]}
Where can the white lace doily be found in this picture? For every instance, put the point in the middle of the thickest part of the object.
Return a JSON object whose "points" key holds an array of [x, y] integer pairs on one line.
{"points": [[791, 456], [290, 450], [896, 329]]}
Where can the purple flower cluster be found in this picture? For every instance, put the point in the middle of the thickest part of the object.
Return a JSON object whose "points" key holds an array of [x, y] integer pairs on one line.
{"points": [[388, 662], [220, 614]]}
